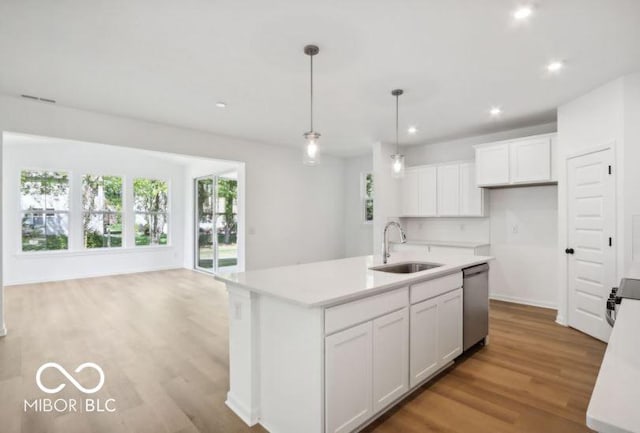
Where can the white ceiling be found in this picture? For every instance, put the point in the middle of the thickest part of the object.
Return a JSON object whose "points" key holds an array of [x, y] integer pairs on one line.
{"points": [[171, 61]]}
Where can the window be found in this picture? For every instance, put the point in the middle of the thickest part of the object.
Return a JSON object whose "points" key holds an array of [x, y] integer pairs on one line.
{"points": [[102, 211], [367, 197], [44, 201], [150, 199]]}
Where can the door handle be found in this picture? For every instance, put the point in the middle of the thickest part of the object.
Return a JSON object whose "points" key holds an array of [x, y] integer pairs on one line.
{"points": [[569, 251]]}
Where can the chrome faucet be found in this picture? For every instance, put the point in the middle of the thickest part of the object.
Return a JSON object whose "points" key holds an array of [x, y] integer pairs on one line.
{"points": [[385, 239]]}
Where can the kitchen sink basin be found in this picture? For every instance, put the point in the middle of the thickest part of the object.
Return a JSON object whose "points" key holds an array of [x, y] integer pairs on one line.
{"points": [[405, 268]]}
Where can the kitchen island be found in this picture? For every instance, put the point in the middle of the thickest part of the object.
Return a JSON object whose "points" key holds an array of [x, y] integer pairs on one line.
{"points": [[329, 346]]}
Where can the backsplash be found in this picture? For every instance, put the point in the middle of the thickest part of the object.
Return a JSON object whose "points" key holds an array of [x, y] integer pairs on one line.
{"points": [[447, 229]]}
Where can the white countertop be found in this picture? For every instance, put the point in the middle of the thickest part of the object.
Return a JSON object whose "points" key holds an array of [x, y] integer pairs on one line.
{"points": [[459, 244], [615, 401], [322, 284]]}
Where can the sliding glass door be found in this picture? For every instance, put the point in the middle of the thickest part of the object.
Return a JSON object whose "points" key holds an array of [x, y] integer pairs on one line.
{"points": [[216, 218]]}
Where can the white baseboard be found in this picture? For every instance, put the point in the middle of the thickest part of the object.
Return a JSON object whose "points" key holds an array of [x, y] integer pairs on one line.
{"points": [[90, 275], [524, 301], [560, 320], [3, 331], [243, 413]]}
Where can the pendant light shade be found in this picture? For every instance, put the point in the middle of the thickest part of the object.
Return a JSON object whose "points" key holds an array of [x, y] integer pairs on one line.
{"points": [[397, 159], [311, 151], [397, 165]]}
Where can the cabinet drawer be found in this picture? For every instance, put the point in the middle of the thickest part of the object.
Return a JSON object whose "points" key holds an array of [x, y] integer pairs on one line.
{"points": [[352, 313], [435, 287]]}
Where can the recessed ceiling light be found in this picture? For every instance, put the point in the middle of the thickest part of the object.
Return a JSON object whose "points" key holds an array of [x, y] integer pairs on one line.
{"points": [[495, 111], [412, 130], [555, 66], [522, 13], [221, 104]]}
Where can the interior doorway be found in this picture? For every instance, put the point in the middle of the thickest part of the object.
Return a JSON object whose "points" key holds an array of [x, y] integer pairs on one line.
{"points": [[216, 222]]}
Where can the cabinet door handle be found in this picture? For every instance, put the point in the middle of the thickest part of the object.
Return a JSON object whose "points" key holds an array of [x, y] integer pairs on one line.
{"points": [[569, 251]]}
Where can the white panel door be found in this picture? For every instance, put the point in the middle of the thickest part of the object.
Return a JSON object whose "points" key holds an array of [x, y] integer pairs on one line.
{"points": [[449, 190], [409, 194], [492, 164], [348, 378], [428, 191], [423, 362], [471, 203], [390, 358], [450, 326], [530, 160], [591, 256]]}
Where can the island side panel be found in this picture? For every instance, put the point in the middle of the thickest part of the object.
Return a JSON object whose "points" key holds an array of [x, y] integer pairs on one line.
{"points": [[291, 367], [243, 397]]}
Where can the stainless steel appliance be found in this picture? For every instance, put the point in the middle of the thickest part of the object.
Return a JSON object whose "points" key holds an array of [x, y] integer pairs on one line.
{"points": [[629, 288], [475, 289]]}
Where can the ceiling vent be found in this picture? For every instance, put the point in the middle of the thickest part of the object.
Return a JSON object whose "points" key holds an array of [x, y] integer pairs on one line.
{"points": [[36, 98]]}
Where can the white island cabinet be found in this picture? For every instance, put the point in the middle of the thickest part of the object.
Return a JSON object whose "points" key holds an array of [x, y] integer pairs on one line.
{"points": [[327, 347]]}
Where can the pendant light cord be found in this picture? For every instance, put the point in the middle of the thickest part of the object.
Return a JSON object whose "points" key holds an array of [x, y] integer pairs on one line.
{"points": [[311, 111], [397, 105]]}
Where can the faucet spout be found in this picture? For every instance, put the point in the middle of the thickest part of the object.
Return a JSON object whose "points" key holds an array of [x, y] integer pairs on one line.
{"points": [[385, 241]]}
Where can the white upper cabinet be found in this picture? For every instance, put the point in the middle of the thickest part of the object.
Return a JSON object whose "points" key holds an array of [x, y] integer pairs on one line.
{"points": [[516, 162], [410, 193], [492, 164], [448, 190], [444, 190], [427, 191], [530, 160]]}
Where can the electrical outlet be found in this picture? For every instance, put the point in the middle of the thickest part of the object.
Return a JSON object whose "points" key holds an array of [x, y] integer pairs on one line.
{"points": [[514, 229]]}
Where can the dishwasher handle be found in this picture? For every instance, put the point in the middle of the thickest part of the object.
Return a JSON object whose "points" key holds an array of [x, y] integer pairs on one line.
{"points": [[467, 272]]}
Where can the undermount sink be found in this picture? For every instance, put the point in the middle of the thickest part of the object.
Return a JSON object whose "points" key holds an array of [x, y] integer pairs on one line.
{"points": [[405, 268]]}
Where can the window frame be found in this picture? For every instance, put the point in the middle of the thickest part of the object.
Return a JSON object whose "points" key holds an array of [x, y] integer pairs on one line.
{"points": [[44, 212], [364, 198]]}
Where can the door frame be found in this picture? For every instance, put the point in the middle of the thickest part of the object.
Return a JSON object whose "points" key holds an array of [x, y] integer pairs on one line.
{"points": [[196, 225], [565, 300]]}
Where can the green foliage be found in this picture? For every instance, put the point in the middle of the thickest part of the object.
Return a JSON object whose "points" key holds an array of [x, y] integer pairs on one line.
{"points": [[368, 200], [228, 191], [150, 195], [102, 193], [54, 183]]}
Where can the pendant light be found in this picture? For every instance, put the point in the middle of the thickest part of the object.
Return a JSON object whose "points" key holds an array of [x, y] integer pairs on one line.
{"points": [[311, 154], [397, 164]]}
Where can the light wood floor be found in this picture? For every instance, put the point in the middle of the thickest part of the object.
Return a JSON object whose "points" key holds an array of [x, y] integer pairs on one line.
{"points": [[161, 339]]}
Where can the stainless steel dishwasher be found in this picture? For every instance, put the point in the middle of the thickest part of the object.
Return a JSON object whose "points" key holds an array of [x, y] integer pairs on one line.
{"points": [[475, 300]]}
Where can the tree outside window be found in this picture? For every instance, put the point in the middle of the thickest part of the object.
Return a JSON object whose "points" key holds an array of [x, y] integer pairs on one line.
{"points": [[226, 221], [367, 197], [102, 206], [44, 201], [150, 197]]}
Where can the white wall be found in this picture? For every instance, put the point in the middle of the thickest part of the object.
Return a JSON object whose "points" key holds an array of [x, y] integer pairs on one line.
{"points": [[386, 204], [358, 235], [532, 209], [77, 159], [448, 229], [294, 213], [524, 240]]}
